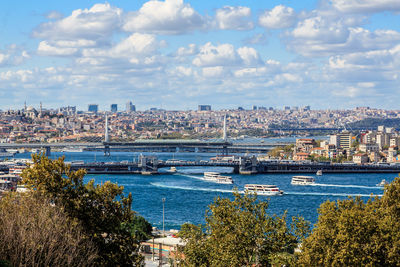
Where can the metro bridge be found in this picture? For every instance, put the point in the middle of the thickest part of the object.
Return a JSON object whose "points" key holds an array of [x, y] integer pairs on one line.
{"points": [[212, 146]]}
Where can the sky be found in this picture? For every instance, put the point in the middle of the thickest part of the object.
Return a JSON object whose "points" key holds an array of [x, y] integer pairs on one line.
{"points": [[175, 55]]}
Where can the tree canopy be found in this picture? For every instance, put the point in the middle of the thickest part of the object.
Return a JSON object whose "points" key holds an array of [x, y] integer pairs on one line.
{"points": [[101, 209], [352, 232], [35, 233], [240, 232]]}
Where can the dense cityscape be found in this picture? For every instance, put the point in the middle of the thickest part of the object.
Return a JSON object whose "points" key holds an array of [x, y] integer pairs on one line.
{"points": [[39, 124]]}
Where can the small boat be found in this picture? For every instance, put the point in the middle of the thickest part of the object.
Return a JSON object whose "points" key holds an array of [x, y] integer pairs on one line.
{"points": [[217, 178], [382, 183], [263, 189], [72, 149], [173, 169], [319, 172], [21, 188], [302, 180]]}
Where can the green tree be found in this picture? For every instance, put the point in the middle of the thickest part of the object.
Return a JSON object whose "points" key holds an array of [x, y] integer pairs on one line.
{"points": [[355, 233], [240, 232], [103, 211]]}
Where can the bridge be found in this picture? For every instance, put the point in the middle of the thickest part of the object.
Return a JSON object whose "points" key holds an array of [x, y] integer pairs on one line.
{"points": [[221, 146], [186, 145], [242, 165]]}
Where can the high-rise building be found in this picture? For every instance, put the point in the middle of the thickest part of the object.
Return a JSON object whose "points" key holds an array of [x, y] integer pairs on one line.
{"points": [[68, 111], [342, 140], [114, 108], [204, 107], [93, 108], [130, 107]]}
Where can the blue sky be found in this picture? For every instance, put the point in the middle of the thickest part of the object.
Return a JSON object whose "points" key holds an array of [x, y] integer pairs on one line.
{"points": [[177, 54]]}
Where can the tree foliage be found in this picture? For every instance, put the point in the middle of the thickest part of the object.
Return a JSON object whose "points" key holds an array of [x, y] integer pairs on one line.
{"points": [[354, 233], [240, 232], [103, 211], [35, 233]]}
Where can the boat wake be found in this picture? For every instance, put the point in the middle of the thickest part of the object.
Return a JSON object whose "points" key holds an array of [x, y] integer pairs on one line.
{"points": [[242, 192], [348, 185], [193, 188], [330, 194], [191, 176]]}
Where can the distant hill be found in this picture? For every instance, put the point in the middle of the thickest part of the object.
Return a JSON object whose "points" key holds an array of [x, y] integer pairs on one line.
{"points": [[373, 123]]}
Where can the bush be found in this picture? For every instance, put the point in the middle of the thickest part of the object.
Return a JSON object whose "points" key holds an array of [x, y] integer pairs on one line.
{"points": [[33, 232]]}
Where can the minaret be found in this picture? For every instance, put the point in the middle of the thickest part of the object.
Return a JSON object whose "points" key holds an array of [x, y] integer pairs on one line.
{"points": [[106, 137], [224, 136], [25, 106], [41, 110]]}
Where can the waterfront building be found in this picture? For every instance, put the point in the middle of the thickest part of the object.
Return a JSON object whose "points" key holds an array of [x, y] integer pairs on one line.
{"points": [[93, 108], [382, 139], [360, 158], [305, 144], [394, 141], [300, 156], [342, 140], [392, 153], [114, 108], [369, 147], [204, 108]]}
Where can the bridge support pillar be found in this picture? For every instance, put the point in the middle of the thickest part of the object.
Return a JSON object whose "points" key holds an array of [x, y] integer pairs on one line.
{"points": [[107, 151], [225, 150], [47, 151]]}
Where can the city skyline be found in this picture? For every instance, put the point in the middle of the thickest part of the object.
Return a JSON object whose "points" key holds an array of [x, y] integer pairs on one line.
{"points": [[176, 55]]}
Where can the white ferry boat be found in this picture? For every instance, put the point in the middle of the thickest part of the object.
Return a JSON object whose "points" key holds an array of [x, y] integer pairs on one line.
{"points": [[382, 183], [217, 178], [302, 180], [263, 189], [72, 149]]}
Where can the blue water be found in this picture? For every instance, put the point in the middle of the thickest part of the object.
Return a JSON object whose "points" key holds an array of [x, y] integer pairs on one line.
{"points": [[187, 196]]}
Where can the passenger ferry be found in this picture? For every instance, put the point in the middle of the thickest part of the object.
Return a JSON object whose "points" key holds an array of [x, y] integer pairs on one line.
{"points": [[302, 180], [263, 189], [217, 178], [382, 183], [72, 149]]}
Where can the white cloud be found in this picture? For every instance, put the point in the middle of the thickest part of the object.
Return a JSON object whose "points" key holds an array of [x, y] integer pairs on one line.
{"points": [[184, 71], [225, 55], [54, 15], [220, 55], [258, 38], [13, 55], [137, 43], [96, 23], [191, 50], [350, 91], [168, 17], [325, 36], [249, 55], [213, 72], [233, 18], [369, 6], [278, 18], [47, 49]]}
